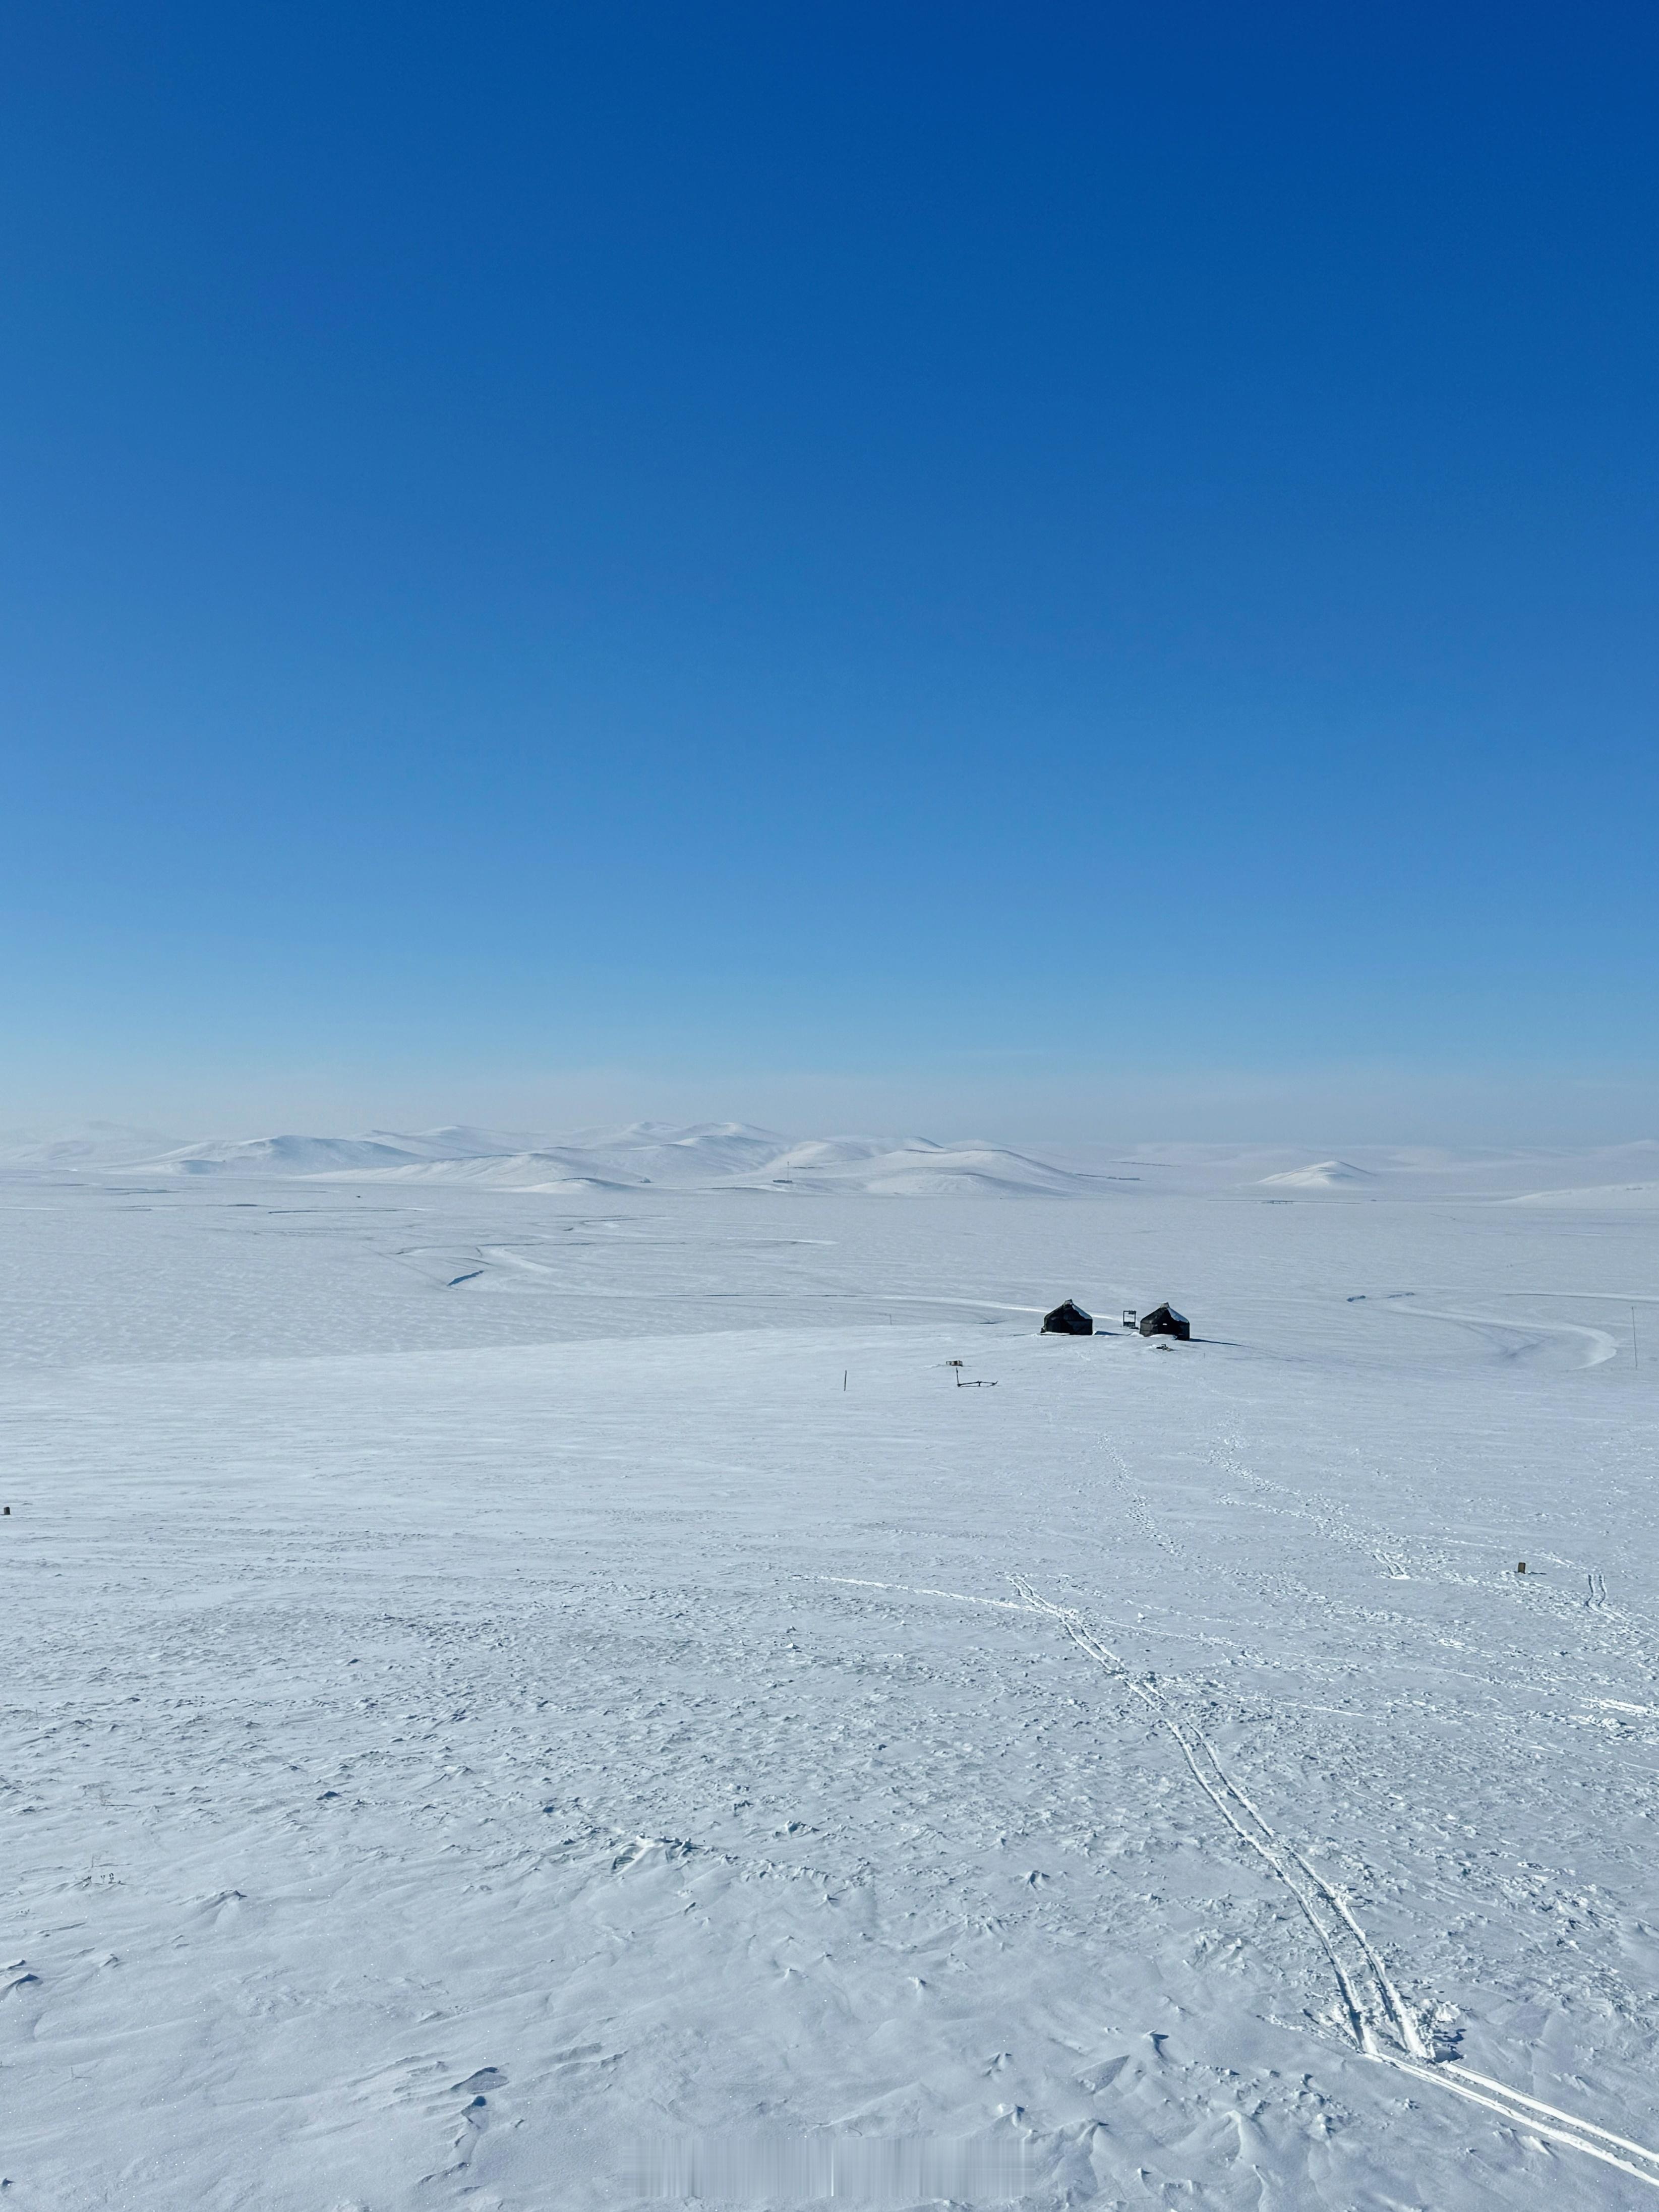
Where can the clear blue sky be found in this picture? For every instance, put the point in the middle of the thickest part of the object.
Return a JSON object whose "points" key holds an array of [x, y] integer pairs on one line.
{"points": [[1038, 564]]}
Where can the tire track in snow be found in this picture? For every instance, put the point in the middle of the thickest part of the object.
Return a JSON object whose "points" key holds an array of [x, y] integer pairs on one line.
{"points": [[1383, 2025], [1603, 1346]]}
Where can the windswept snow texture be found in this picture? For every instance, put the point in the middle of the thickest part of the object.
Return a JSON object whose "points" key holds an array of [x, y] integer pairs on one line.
{"points": [[565, 1698]]}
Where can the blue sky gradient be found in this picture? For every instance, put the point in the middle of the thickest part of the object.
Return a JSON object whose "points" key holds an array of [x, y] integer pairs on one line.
{"points": [[1021, 568]]}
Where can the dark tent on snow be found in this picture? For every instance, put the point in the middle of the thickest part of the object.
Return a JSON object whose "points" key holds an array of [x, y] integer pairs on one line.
{"points": [[1068, 1320], [1164, 1321]]}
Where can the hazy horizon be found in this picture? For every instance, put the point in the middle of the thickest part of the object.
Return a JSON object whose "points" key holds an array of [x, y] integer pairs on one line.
{"points": [[1103, 1136]]}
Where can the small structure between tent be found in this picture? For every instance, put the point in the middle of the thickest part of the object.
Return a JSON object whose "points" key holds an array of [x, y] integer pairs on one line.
{"points": [[1164, 1321], [1068, 1319]]}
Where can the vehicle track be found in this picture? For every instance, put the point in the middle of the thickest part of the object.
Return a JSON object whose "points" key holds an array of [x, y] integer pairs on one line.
{"points": [[1384, 2026], [1602, 1345]]}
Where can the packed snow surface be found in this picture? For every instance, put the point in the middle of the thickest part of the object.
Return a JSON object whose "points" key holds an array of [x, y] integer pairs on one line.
{"points": [[567, 1697]]}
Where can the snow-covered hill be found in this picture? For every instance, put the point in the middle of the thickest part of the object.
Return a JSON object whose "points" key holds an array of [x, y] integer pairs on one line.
{"points": [[644, 1155], [91, 1144], [1322, 1175], [286, 1155], [914, 1167], [1597, 1198]]}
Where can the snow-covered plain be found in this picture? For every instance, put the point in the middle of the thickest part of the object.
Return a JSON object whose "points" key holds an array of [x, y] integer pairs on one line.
{"points": [[527, 1697]]}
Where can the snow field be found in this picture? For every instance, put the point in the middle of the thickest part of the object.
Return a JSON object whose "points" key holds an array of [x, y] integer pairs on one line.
{"points": [[578, 1772]]}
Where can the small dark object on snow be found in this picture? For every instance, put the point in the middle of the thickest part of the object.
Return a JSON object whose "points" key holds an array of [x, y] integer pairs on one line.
{"points": [[1068, 1320], [1164, 1321], [1522, 1569], [8, 1509], [1129, 1319]]}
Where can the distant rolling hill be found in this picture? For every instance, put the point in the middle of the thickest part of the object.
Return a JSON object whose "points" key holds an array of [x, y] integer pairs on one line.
{"points": [[1322, 1174], [642, 1156]]}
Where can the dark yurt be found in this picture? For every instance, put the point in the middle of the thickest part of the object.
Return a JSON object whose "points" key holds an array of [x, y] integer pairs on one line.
{"points": [[1068, 1320], [1164, 1321]]}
